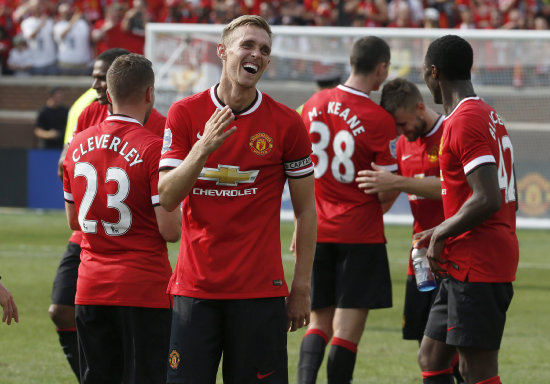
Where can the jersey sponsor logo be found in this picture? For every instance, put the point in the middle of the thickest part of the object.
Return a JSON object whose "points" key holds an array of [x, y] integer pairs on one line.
{"points": [[228, 175], [261, 144], [393, 148], [433, 154], [297, 164], [167, 141], [225, 192], [174, 359]]}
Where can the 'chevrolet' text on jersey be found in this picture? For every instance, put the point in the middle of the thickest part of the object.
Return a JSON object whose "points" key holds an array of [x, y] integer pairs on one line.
{"points": [[230, 245], [348, 131], [110, 173], [420, 159], [475, 135]]}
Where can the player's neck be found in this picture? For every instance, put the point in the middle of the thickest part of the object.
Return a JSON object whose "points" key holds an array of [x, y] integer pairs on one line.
{"points": [[237, 97], [455, 93], [134, 112], [365, 84]]}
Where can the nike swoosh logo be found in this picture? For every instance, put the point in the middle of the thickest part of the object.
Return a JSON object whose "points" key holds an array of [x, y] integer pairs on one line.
{"points": [[260, 376], [450, 329], [199, 135], [405, 157]]}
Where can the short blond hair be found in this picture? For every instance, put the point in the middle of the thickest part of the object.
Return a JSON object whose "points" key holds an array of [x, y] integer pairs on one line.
{"points": [[243, 20]]}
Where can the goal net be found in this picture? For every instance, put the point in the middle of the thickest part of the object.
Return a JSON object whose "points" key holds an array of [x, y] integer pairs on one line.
{"points": [[511, 72]]}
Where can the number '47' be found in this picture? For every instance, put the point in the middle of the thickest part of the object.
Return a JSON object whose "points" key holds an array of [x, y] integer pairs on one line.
{"points": [[505, 181]]}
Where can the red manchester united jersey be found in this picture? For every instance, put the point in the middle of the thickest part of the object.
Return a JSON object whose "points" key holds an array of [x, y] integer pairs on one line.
{"points": [[348, 132], [95, 113], [420, 159], [230, 246], [111, 175], [475, 135]]}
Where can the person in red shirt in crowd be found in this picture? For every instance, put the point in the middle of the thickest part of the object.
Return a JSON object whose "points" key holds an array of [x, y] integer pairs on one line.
{"points": [[110, 184], [227, 154], [62, 310], [476, 245], [106, 32], [351, 274]]}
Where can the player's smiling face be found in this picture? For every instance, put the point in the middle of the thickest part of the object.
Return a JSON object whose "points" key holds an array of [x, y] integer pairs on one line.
{"points": [[99, 75], [409, 123], [246, 55]]}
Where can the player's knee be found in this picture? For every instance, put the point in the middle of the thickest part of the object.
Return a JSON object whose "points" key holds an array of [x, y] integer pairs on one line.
{"points": [[423, 360], [62, 315]]}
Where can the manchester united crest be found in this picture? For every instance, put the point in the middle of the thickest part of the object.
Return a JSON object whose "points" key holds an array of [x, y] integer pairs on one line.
{"points": [[174, 359], [433, 154], [261, 144]]}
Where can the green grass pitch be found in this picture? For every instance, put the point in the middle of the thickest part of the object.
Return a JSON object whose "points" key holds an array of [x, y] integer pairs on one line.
{"points": [[31, 245]]}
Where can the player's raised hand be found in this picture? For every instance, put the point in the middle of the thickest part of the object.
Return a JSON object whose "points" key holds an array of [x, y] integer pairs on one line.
{"points": [[8, 306], [215, 131], [376, 180]]}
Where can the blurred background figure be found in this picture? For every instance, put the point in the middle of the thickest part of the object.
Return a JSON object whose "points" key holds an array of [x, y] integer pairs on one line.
{"points": [[72, 35], [51, 121], [20, 57]]}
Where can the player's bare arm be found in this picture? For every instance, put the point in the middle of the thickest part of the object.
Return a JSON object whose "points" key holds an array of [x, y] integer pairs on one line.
{"points": [[72, 216], [8, 306], [169, 223], [298, 301], [174, 185], [381, 180], [485, 200], [60, 161]]}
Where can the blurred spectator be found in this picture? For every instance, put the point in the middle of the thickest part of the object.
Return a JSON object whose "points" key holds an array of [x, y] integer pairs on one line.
{"points": [[38, 31], [415, 6], [51, 121], [269, 13], [515, 20], [431, 18], [20, 57], [7, 32], [133, 25], [373, 12], [466, 19], [403, 17], [107, 33], [72, 35]]}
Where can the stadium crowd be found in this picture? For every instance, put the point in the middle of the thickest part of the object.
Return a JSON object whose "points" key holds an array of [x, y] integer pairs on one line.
{"points": [[50, 37]]}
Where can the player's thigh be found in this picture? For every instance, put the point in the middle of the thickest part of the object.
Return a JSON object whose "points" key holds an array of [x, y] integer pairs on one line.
{"points": [[363, 277], [64, 284], [255, 348], [416, 310], [477, 313], [99, 341], [146, 337], [195, 340], [323, 278]]}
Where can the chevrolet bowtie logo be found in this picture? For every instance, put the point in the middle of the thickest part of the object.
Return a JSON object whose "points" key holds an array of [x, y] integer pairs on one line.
{"points": [[228, 175]]}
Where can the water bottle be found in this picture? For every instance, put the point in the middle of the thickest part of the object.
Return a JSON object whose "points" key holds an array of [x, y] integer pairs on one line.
{"points": [[425, 279]]}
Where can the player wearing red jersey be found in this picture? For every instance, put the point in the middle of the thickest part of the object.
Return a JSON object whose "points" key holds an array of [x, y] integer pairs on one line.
{"points": [[478, 234], [418, 176], [110, 182], [64, 286], [350, 272], [227, 153]]}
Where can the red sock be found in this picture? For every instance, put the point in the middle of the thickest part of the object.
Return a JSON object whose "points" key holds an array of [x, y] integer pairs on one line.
{"points": [[491, 380]]}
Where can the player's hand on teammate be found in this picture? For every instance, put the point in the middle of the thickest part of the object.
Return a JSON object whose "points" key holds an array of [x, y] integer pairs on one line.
{"points": [[215, 131], [297, 309], [435, 244], [376, 180], [8, 305]]}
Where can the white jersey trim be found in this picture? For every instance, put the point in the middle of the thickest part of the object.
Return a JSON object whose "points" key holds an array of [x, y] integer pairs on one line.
{"points": [[478, 161], [437, 125], [155, 199], [353, 91], [123, 118], [171, 163], [68, 196], [390, 168], [476, 98], [247, 112]]}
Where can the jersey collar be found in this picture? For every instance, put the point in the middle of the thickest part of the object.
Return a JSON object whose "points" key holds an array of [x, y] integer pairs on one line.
{"points": [[436, 126], [128, 119], [476, 98], [354, 91], [247, 111]]}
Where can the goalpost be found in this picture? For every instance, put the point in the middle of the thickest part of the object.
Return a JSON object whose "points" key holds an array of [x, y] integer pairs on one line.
{"points": [[511, 72]]}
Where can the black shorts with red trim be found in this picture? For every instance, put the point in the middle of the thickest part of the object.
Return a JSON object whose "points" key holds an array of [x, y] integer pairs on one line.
{"points": [[351, 276], [466, 314], [250, 333], [416, 309], [64, 283]]}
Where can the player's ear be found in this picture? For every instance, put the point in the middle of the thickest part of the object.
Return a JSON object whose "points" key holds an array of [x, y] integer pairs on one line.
{"points": [[222, 54], [420, 107], [149, 94], [109, 97]]}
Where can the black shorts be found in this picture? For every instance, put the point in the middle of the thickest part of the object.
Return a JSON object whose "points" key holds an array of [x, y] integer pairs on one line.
{"points": [[123, 344], [416, 309], [250, 333], [64, 283], [351, 276], [466, 314]]}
